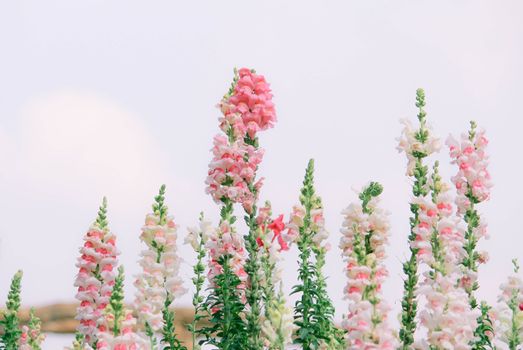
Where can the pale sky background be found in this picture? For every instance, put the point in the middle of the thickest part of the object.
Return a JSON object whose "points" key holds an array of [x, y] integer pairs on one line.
{"points": [[117, 97]]}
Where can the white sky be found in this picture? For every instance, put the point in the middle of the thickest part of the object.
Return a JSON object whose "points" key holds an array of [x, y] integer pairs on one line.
{"points": [[115, 98]]}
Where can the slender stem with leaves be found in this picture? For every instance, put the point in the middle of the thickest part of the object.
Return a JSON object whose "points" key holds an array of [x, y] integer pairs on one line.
{"points": [[228, 329], [169, 339], [313, 311], [253, 291], [409, 303], [200, 311]]}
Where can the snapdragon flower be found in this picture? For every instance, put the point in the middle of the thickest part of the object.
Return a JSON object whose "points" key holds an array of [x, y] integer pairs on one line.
{"points": [[473, 184], [417, 144], [313, 312], [226, 241], [96, 276], [365, 234], [159, 279], [119, 323], [509, 312], [32, 337], [278, 325], [248, 106], [448, 318]]}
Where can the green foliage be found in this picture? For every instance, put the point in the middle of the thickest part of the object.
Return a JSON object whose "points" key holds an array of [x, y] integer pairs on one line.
{"points": [[159, 207], [435, 242], [149, 332], [79, 341], [10, 338], [374, 189], [200, 311], [101, 219], [169, 339], [35, 336], [513, 337], [313, 312], [116, 306], [228, 328], [484, 331], [253, 291]]}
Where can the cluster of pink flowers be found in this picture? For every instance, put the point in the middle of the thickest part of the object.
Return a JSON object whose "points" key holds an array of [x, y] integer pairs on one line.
{"points": [[31, 337], [473, 178], [437, 216], [95, 279], [231, 171], [366, 321], [448, 318], [317, 226], [409, 143], [473, 185], [160, 270], [226, 241], [126, 340], [246, 109]]}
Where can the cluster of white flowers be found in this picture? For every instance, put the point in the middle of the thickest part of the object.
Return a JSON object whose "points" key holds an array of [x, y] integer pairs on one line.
{"points": [[409, 142], [160, 270], [279, 324], [508, 322], [365, 233], [207, 230]]}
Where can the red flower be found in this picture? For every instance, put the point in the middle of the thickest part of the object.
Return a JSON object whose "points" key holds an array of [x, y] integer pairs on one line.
{"points": [[277, 226]]}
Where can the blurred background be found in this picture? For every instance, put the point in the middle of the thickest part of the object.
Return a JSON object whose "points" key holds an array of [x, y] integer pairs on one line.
{"points": [[115, 98]]}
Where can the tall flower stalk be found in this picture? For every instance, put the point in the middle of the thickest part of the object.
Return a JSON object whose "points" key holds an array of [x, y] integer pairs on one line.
{"points": [[473, 187], [365, 234], [10, 338], [197, 237], [448, 318], [509, 324], [313, 311], [417, 144], [96, 277], [278, 325], [247, 108], [227, 277], [473, 184], [159, 282]]}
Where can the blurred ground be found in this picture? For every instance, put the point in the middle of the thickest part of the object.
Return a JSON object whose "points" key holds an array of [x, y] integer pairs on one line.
{"points": [[59, 323]]}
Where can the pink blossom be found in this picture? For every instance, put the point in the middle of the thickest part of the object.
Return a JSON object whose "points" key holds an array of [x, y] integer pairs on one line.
{"points": [[473, 178], [232, 169], [251, 101], [446, 301], [366, 322], [95, 278]]}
